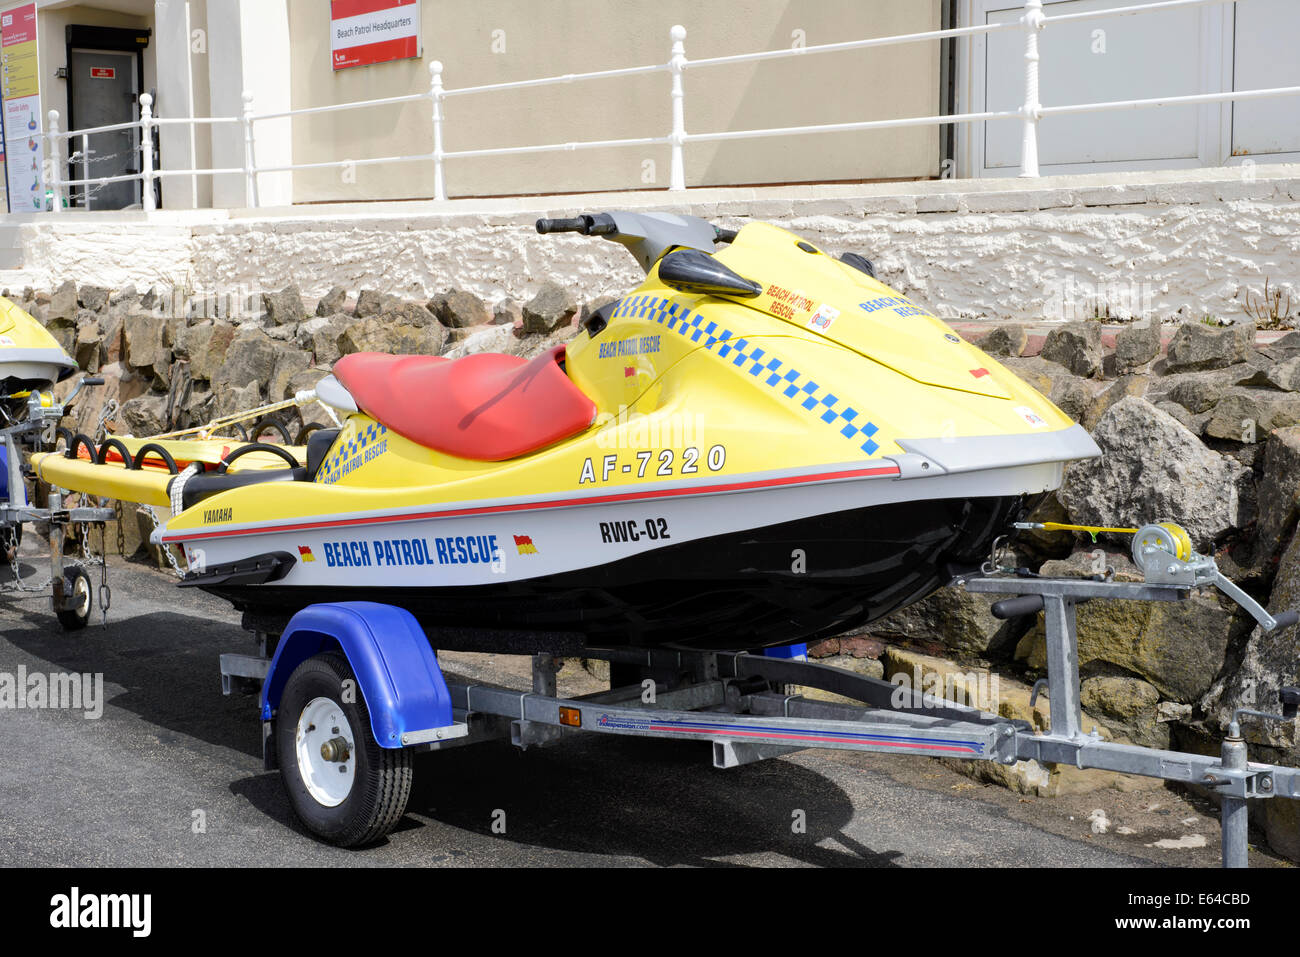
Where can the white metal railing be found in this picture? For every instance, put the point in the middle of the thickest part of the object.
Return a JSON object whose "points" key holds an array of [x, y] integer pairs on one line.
{"points": [[1030, 113]]}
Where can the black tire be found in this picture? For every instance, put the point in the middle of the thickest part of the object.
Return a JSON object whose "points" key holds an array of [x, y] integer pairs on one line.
{"points": [[382, 778], [78, 591]]}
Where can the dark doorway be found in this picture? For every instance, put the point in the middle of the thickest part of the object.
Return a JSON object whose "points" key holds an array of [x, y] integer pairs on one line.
{"points": [[105, 78]]}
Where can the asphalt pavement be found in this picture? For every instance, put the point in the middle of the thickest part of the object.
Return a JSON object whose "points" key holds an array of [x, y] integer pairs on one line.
{"points": [[171, 774]]}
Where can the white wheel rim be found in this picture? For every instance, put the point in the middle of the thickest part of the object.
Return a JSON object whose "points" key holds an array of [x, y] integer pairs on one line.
{"points": [[81, 594], [329, 782]]}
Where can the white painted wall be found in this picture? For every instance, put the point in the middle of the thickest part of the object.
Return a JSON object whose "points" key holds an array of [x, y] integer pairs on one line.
{"points": [[248, 51], [1190, 243]]}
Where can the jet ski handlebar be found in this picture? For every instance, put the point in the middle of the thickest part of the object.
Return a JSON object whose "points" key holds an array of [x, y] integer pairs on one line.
{"points": [[600, 224], [647, 236]]}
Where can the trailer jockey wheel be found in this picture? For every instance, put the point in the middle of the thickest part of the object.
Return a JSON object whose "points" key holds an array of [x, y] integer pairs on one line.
{"points": [[343, 786], [77, 593]]}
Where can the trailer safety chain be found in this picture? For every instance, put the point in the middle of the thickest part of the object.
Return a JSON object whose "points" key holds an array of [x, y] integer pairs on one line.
{"points": [[108, 412], [166, 549], [121, 535], [105, 592], [17, 571]]}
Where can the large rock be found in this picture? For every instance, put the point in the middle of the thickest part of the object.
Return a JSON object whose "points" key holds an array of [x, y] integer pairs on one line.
{"points": [[1127, 385], [373, 303], [1067, 391], [459, 310], [288, 363], [1136, 345], [1268, 663], [376, 335], [228, 401], [1077, 346], [1198, 346], [63, 303], [332, 302], [144, 415], [89, 347], [1130, 706], [146, 341], [250, 358], [1284, 376], [1005, 341], [93, 298], [1197, 392], [1288, 347], [206, 345], [1279, 493], [1008, 698], [321, 336], [1248, 415], [284, 308], [1179, 647], [1153, 468], [553, 306], [959, 619]]}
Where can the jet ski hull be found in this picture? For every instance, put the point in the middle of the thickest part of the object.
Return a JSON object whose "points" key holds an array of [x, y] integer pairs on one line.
{"points": [[759, 587]]}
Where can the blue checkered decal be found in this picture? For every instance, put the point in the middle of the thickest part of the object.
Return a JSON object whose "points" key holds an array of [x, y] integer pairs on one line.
{"points": [[759, 363], [342, 455]]}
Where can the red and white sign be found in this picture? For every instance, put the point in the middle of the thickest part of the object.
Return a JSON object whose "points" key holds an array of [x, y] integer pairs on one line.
{"points": [[363, 32], [103, 73]]}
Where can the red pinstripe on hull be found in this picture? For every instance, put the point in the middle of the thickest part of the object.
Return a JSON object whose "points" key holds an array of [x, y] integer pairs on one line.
{"points": [[533, 506]]}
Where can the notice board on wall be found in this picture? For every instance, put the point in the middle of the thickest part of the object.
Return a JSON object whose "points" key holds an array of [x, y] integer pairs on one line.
{"points": [[365, 32], [24, 148]]}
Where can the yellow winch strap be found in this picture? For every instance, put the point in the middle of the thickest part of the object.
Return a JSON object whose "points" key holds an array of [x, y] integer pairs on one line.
{"points": [[1090, 529]]}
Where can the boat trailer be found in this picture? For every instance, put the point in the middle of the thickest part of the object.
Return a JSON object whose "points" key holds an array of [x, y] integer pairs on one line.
{"points": [[71, 590], [742, 702]]}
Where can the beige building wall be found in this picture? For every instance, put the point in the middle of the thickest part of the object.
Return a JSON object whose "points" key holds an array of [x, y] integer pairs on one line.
{"points": [[494, 41]]}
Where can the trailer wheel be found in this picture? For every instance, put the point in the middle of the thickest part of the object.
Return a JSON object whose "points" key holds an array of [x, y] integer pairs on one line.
{"points": [[77, 592], [343, 786]]}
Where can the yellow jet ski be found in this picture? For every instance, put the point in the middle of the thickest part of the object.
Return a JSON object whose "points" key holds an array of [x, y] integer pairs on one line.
{"points": [[762, 444]]}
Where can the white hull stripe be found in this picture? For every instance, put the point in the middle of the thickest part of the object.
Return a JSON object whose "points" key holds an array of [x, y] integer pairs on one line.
{"points": [[886, 471]]}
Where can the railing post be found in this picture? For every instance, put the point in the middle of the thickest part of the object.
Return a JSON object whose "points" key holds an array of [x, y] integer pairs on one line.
{"points": [[52, 159], [146, 153], [436, 95], [85, 169], [250, 155], [1032, 22], [677, 63]]}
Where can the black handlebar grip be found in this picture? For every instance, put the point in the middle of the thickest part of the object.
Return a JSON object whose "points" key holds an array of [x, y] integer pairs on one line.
{"points": [[578, 225], [1286, 620], [92, 380], [1017, 607]]}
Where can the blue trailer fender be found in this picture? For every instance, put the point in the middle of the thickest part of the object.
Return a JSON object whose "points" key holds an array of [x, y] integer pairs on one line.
{"points": [[396, 668]]}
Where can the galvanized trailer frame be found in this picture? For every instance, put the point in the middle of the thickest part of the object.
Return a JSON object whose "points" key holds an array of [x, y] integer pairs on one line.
{"points": [[739, 703], [16, 510]]}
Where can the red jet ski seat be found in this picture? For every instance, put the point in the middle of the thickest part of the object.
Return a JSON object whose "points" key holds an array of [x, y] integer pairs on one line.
{"points": [[486, 407]]}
